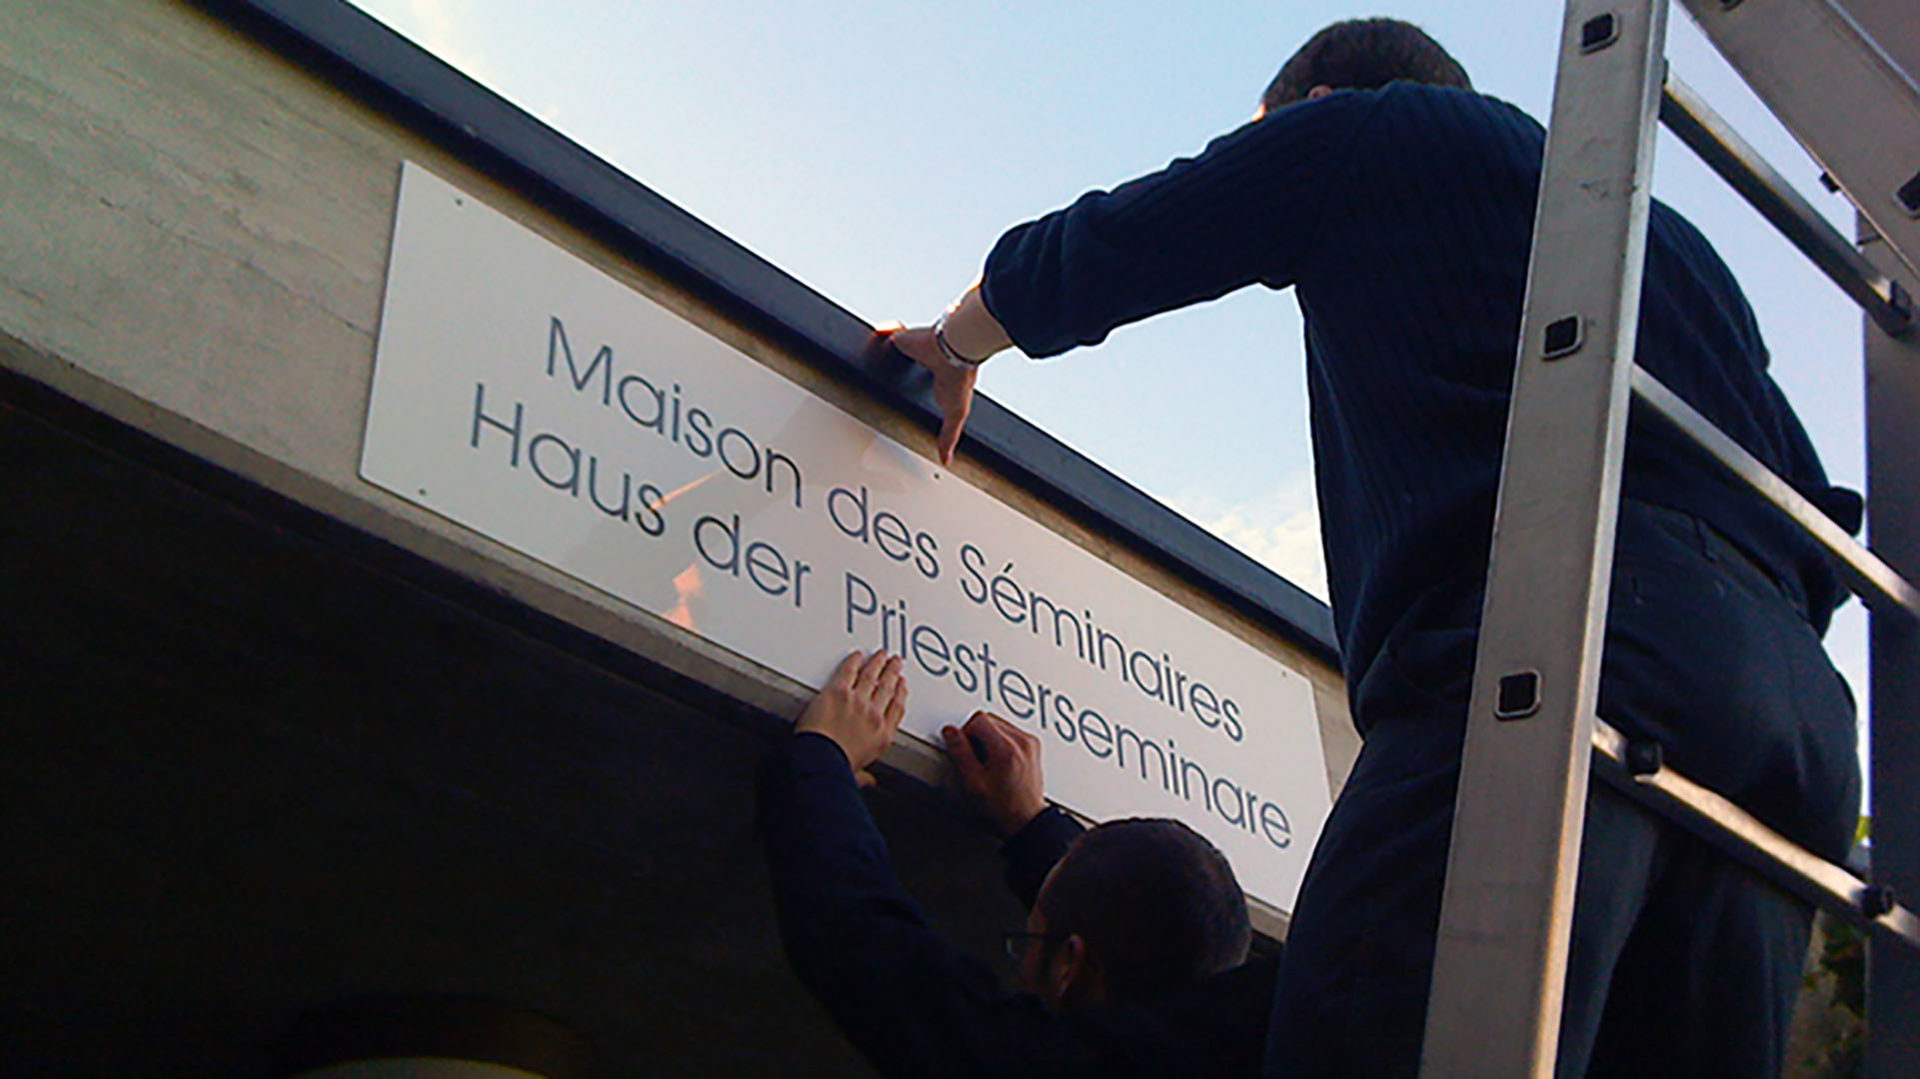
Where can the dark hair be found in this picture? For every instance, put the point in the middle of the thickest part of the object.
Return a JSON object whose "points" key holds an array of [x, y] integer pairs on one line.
{"points": [[1157, 905], [1364, 54]]}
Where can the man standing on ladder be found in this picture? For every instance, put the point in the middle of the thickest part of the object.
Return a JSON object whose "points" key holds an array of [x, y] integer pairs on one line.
{"points": [[1398, 203]]}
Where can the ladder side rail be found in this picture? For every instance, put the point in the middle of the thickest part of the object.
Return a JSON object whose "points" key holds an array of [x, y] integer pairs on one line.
{"points": [[1735, 160], [1640, 775], [1893, 525], [1856, 111], [1893, 28], [1870, 578], [1506, 915]]}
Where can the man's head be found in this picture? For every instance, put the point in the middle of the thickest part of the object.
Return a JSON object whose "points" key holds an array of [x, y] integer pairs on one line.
{"points": [[1363, 54], [1136, 908]]}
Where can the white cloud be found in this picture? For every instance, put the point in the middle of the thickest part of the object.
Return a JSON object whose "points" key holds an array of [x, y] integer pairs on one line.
{"points": [[443, 35], [1280, 529]]}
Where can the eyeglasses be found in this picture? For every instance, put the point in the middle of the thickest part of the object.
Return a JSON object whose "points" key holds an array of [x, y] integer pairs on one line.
{"points": [[1018, 942]]}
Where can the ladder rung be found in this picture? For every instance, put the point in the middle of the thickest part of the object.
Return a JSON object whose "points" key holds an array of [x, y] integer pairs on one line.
{"points": [[1846, 99], [1738, 833], [1872, 580], [1690, 118]]}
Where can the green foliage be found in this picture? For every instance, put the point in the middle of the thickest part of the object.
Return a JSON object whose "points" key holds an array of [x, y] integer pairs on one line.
{"points": [[1842, 969], [1841, 973]]}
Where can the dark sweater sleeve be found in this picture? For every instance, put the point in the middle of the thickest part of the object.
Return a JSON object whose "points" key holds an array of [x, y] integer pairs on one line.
{"points": [[1246, 209], [911, 1002], [1033, 851]]}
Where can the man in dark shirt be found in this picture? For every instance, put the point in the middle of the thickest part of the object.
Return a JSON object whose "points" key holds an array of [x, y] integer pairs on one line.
{"points": [[1398, 204], [1132, 955]]}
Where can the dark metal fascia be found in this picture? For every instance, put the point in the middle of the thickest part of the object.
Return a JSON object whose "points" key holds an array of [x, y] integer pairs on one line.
{"points": [[361, 55]]}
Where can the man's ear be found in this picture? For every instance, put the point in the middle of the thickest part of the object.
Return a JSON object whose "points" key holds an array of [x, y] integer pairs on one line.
{"points": [[1319, 92], [1076, 977]]}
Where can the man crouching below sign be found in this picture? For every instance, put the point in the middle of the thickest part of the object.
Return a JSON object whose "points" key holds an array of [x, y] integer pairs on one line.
{"points": [[1133, 960]]}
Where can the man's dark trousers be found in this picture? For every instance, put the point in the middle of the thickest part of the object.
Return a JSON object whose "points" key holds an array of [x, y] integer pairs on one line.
{"points": [[1683, 964]]}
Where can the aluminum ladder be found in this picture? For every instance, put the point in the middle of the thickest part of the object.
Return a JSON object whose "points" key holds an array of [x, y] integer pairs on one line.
{"points": [[1841, 75]]}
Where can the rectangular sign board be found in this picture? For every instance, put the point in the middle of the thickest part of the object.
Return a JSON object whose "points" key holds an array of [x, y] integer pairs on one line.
{"points": [[532, 398]]}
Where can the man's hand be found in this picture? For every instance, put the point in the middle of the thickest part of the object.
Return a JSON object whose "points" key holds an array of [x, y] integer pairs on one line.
{"points": [[860, 709], [999, 766], [952, 383]]}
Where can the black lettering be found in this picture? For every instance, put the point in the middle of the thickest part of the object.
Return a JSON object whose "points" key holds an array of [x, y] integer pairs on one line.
{"points": [[657, 421], [964, 675], [1188, 769], [753, 454], [919, 639], [1234, 730], [1221, 800], [927, 561], [775, 457], [593, 491], [648, 516], [1273, 822], [1100, 645], [571, 484], [840, 496], [887, 618], [1035, 601], [1133, 667], [557, 346], [888, 531], [868, 607], [972, 560], [700, 426], [767, 568], [480, 416], [1093, 727], [1016, 693], [986, 667], [1141, 745], [1062, 708], [1206, 705], [1007, 596], [728, 531]]}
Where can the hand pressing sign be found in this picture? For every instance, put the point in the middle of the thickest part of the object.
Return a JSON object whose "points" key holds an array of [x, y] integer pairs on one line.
{"points": [[860, 709], [999, 767]]}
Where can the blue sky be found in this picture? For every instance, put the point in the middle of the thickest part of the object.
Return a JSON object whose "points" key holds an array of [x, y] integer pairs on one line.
{"points": [[876, 148]]}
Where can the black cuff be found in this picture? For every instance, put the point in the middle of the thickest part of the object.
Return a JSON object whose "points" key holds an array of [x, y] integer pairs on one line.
{"points": [[814, 753], [1032, 852]]}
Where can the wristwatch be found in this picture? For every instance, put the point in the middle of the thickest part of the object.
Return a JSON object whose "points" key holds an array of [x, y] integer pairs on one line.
{"points": [[947, 351]]}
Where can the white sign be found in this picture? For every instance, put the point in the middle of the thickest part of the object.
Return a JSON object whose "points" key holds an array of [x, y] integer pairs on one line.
{"points": [[526, 395]]}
